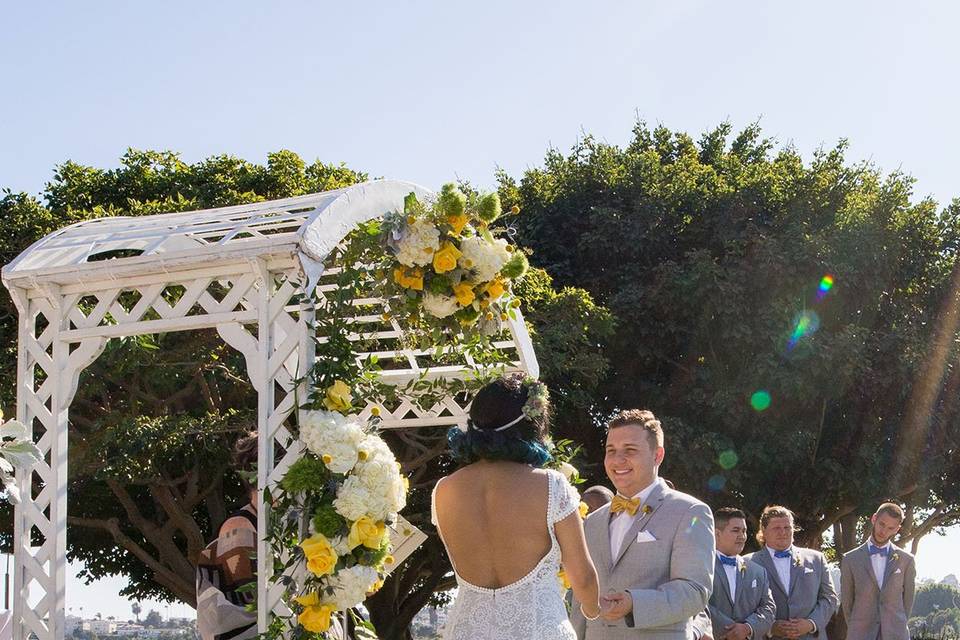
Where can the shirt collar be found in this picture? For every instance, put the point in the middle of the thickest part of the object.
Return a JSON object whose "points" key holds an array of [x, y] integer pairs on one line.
{"points": [[886, 546], [772, 551], [645, 492]]}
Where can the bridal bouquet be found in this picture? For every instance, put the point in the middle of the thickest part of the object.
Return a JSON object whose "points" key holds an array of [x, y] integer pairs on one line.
{"points": [[442, 259]]}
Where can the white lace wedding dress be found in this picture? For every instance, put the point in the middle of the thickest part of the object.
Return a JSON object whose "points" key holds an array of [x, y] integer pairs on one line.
{"points": [[532, 608]]}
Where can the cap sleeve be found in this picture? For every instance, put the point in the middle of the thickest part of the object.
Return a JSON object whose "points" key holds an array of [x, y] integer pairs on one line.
{"points": [[564, 498]]}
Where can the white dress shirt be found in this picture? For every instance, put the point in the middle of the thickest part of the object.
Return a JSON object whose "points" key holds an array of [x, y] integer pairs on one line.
{"points": [[622, 522], [879, 562], [731, 571], [783, 567]]}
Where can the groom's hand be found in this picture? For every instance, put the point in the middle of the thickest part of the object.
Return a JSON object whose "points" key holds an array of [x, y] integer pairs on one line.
{"points": [[615, 606]]}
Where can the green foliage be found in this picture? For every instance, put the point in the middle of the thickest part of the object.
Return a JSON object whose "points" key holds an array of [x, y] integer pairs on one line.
{"points": [[705, 254], [932, 598]]}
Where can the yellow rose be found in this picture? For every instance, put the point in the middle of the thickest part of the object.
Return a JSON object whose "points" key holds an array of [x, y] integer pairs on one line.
{"points": [[315, 616], [564, 580], [321, 558], [413, 280], [366, 532], [495, 289], [376, 587], [337, 397], [464, 293], [458, 223], [584, 508], [446, 258]]}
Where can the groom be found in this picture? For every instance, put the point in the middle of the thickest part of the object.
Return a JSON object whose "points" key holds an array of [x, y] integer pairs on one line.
{"points": [[653, 547]]}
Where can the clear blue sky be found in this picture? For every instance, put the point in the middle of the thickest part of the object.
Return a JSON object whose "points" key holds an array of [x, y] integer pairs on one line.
{"points": [[428, 91]]}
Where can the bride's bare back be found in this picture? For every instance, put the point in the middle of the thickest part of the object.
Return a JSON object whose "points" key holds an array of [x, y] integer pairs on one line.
{"points": [[493, 518]]}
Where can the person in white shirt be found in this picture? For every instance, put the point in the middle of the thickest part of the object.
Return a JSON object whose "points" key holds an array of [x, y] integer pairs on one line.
{"points": [[877, 582], [741, 605], [799, 579], [653, 547]]}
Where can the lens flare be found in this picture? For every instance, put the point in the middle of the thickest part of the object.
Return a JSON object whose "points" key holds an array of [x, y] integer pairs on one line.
{"points": [[716, 483], [805, 324], [760, 401], [826, 283], [728, 459]]}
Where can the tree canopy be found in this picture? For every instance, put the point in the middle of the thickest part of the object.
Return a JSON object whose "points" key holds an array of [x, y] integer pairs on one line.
{"points": [[793, 324]]}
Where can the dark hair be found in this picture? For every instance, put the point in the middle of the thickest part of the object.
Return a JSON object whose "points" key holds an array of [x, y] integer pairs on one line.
{"points": [[599, 490], [643, 419], [243, 458], [496, 405], [723, 515]]}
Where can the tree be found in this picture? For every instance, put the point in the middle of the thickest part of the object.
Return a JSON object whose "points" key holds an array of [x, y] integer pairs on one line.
{"points": [[935, 597], [153, 620], [793, 323]]}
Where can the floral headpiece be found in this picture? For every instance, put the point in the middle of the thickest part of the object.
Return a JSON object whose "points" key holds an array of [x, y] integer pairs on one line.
{"points": [[538, 397]]}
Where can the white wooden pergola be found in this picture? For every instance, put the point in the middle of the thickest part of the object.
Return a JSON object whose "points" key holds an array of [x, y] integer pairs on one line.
{"points": [[250, 272]]}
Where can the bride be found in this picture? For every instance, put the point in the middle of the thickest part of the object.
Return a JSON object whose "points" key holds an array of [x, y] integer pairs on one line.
{"points": [[508, 524]]}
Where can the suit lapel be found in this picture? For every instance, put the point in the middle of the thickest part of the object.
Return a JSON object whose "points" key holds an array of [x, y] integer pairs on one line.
{"points": [[721, 574], [867, 564], [892, 564], [771, 568], [796, 568], [741, 578], [602, 531], [654, 500]]}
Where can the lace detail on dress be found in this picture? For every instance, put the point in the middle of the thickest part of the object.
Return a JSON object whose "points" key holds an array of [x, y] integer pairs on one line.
{"points": [[531, 608]]}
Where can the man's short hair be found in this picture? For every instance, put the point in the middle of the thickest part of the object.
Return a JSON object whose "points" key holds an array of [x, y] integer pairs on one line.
{"points": [[769, 513], [642, 418], [599, 490], [891, 509], [723, 515]]}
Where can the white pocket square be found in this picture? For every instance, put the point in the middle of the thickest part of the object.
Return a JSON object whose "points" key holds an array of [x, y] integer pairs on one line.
{"points": [[807, 570], [645, 536], [754, 585], [898, 571]]}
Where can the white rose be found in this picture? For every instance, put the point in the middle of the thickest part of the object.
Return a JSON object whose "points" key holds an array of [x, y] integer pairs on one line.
{"points": [[569, 471], [439, 306]]}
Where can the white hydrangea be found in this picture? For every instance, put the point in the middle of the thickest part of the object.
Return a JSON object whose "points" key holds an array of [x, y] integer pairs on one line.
{"points": [[353, 499], [416, 247], [350, 586], [376, 449], [328, 433], [384, 485], [484, 258], [439, 306], [341, 545]]}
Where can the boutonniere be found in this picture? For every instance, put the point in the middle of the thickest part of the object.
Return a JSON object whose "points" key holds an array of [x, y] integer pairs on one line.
{"points": [[797, 561], [741, 566], [895, 556], [646, 510]]}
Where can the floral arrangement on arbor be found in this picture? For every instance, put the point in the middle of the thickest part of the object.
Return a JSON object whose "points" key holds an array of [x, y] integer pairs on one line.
{"points": [[440, 269], [446, 264]]}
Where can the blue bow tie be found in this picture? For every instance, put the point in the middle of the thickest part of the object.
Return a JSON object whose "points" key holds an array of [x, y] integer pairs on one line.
{"points": [[884, 551], [728, 560], [782, 554]]}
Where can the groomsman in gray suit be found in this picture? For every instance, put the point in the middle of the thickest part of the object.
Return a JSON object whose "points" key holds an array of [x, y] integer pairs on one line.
{"points": [[652, 546], [799, 579], [877, 582], [741, 605]]}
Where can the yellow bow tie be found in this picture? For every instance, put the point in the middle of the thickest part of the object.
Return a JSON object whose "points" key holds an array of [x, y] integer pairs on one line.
{"points": [[630, 505]]}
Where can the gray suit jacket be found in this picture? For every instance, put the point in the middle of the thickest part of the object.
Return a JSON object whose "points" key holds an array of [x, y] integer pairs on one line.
{"points": [[811, 593], [752, 603], [669, 578], [872, 612]]}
